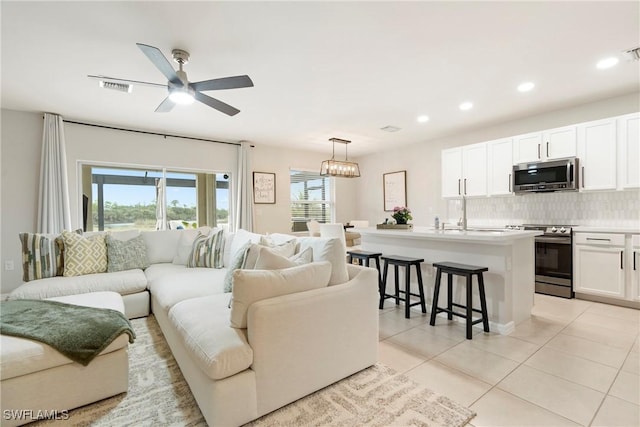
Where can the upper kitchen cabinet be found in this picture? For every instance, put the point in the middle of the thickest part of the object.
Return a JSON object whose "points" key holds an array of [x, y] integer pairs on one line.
{"points": [[500, 160], [464, 171], [550, 144], [629, 150], [597, 154]]}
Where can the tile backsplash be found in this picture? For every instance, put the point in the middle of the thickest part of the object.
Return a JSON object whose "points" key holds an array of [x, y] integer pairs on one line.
{"points": [[611, 209]]}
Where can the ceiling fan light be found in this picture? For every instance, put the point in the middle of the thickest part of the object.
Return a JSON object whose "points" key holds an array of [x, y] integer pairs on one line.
{"points": [[181, 97]]}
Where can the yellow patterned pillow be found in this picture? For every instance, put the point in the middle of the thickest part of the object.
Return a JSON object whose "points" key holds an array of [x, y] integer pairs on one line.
{"points": [[84, 255]]}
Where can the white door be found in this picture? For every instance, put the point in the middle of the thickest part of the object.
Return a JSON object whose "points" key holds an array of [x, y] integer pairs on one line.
{"points": [[500, 162], [474, 170], [559, 143], [599, 271], [451, 172], [527, 148], [629, 140], [597, 154]]}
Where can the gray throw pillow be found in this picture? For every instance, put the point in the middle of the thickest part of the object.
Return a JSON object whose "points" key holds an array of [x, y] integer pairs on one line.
{"points": [[236, 263], [126, 254]]}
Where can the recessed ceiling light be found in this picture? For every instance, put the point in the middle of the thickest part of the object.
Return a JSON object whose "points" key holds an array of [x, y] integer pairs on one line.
{"points": [[423, 119], [466, 106], [607, 63], [526, 86]]}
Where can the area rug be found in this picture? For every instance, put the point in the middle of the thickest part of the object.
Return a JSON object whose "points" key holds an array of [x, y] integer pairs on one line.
{"points": [[159, 396]]}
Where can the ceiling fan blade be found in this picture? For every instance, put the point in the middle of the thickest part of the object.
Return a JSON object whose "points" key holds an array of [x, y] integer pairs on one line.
{"points": [[165, 106], [160, 61], [118, 80], [223, 83], [218, 105]]}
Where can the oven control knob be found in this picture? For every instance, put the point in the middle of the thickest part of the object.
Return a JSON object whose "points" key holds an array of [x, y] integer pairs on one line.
{"points": [[554, 230], [563, 230]]}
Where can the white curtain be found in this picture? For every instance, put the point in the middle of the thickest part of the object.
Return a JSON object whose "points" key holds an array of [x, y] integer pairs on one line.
{"points": [[161, 205], [54, 213], [244, 192]]}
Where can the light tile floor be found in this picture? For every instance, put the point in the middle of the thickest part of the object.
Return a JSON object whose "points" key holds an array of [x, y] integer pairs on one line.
{"points": [[573, 363]]}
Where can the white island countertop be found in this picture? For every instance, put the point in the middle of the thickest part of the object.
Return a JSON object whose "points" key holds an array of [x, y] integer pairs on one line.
{"points": [[488, 236]]}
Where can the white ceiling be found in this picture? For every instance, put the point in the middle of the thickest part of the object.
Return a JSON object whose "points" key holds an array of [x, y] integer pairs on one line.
{"points": [[320, 69]]}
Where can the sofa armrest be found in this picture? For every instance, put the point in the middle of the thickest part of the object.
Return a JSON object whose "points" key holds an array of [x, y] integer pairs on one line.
{"points": [[305, 341]]}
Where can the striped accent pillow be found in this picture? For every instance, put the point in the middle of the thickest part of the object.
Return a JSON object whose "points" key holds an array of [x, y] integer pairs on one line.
{"points": [[42, 255], [84, 255], [207, 250]]}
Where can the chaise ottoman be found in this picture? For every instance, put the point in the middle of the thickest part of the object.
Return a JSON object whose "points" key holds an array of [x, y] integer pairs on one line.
{"points": [[38, 381]]}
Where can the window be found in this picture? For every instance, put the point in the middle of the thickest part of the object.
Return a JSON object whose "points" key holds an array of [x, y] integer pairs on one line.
{"points": [[311, 198], [128, 198]]}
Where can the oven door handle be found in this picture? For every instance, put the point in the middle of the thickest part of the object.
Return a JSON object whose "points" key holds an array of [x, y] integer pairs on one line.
{"points": [[558, 240]]}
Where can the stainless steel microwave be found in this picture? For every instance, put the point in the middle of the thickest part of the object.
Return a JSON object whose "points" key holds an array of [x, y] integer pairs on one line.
{"points": [[552, 175]]}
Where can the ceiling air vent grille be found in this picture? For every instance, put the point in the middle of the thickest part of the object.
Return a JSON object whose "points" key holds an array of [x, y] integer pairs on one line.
{"points": [[390, 128], [122, 87]]}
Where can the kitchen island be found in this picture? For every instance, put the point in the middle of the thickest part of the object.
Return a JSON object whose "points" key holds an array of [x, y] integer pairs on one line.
{"points": [[509, 255]]}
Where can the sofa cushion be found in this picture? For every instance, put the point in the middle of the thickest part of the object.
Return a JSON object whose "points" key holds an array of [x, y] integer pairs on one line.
{"points": [[203, 326], [250, 286], [123, 282], [126, 254], [84, 255], [206, 250], [169, 283], [22, 356], [328, 249], [161, 245], [240, 239]]}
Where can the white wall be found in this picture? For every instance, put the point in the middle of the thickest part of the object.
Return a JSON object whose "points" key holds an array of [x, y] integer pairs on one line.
{"points": [[422, 160], [20, 143], [276, 218]]}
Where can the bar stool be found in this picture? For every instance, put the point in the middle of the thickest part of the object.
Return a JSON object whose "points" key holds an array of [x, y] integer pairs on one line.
{"points": [[453, 268], [400, 261], [364, 257]]}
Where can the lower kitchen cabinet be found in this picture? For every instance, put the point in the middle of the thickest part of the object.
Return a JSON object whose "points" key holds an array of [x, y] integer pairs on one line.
{"points": [[607, 265]]}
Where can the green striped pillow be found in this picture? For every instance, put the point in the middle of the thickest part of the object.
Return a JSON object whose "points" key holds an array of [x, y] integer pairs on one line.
{"points": [[207, 250], [42, 255]]}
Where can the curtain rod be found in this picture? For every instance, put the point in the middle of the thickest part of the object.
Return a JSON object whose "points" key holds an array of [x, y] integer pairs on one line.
{"points": [[149, 133]]}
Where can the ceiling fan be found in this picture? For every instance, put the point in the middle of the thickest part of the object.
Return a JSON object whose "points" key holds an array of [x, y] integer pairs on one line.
{"points": [[181, 91]]}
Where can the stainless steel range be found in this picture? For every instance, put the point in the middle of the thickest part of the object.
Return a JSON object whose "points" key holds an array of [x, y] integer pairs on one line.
{"points": [[554, 259]]}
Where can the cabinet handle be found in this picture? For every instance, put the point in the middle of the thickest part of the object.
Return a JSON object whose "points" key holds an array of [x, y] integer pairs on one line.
{"points": [[547, 148], [465, 186], [621, 260], [538, 151], [458, 186], [583, 177], [509, 183], [598, 239], [634, 260]]}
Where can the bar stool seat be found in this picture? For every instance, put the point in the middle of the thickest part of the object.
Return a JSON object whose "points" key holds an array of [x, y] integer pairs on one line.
{"points": [[468, 271], [364, 257], [402, 261]]}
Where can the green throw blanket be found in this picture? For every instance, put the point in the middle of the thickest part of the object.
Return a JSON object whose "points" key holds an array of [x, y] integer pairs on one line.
{"points": [[78, 332]]}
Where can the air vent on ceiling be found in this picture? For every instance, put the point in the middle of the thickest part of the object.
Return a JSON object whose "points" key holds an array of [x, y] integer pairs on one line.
{"points": [[632, 54], [122, 87], [390, 128]]}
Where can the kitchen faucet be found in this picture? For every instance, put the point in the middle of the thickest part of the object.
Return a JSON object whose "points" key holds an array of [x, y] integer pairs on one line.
{"points": [[463, 221]]}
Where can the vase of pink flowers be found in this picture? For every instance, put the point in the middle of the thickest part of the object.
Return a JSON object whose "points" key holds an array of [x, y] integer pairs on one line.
{"points": [[401, 214]]}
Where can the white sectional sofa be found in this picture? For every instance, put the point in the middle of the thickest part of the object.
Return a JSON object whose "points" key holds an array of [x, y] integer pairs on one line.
{"points": [[245, 358]]}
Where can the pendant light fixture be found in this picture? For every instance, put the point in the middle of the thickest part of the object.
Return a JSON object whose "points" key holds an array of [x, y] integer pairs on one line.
{"points": [[340, 168]]}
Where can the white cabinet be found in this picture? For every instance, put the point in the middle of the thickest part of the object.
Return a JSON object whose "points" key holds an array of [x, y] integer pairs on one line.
{"points": [[547, 145], [500, 162], [597, 154], [629, 150], [464, 171], [598, 261]]}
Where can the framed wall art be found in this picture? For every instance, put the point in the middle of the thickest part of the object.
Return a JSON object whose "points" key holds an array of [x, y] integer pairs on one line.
{"points": [[264, 188], [394, 189]]}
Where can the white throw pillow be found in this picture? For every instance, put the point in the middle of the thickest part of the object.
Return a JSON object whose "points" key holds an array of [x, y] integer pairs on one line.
{"points": [[328, 249], [250, 286], [240, 238], [286, 250], [269, 260]]}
